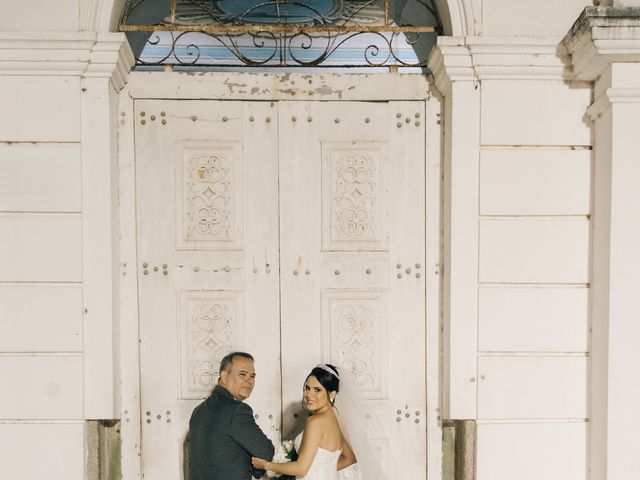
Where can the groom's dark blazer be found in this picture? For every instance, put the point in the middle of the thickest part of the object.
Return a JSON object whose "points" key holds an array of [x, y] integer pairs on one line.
{"points": [[223, 438]]}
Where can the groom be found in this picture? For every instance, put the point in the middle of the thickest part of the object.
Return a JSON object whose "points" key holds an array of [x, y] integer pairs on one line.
{"points": [[224, 435]]}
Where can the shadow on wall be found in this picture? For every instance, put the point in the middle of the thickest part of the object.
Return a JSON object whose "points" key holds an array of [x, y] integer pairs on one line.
{"points": [[186, 459], [299, 416]]}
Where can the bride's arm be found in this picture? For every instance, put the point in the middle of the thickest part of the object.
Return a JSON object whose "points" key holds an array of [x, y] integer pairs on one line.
{"points": [[308, 450], [347, 457]]}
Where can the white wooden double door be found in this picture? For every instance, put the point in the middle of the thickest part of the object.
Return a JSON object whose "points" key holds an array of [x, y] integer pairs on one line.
{"points": [[292, 230]]}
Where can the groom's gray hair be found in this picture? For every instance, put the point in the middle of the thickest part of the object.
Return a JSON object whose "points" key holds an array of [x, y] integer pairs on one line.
{"points": [[226, 362]]}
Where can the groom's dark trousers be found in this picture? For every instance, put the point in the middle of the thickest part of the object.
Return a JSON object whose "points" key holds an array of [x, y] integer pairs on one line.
{"points": [[223, 438]]}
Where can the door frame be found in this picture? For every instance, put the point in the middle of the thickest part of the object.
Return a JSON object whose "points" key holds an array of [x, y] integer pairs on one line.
{"points": [[272, 87]]}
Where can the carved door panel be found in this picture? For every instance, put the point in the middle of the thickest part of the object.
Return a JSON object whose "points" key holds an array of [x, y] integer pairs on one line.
{"points": [[208, 259], [294, 231], [352, 223]]}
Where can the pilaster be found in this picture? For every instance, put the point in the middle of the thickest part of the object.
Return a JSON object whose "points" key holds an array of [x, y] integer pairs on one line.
{"points": [[605, 47], [455, 78], [109, 62], [459, 66]]}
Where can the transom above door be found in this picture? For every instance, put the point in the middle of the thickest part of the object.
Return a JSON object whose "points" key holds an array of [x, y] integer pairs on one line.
{"points": [[293, 230]]}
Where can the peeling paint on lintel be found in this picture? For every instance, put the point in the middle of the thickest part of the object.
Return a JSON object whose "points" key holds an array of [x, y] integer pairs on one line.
{"points": [[280, 86]]}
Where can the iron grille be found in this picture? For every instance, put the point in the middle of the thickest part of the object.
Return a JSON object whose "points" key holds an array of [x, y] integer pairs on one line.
{"points": [[281, 33]]}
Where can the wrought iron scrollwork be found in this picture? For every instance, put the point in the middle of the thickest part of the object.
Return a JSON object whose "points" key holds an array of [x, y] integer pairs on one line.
{"points": [[281, 33]]}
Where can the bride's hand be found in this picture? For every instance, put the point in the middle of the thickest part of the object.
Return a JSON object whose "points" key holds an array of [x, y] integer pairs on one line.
{"points": [[259, 463]]}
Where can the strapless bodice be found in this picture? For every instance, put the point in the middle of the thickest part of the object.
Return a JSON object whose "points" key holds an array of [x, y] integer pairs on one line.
{"points": [[324, 465]]}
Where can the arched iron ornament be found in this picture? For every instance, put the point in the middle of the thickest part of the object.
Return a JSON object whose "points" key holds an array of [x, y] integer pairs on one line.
{"points": [[283, 33]]}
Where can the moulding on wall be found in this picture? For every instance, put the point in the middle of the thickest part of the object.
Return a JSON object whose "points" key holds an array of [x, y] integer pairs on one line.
{"points": [[601, 36], [111, 57], [100, 15], [85, 54], [539, 58], [451, 61], [88, 12], [611, 96], [512, 58], [45, 53], [460, 17]]}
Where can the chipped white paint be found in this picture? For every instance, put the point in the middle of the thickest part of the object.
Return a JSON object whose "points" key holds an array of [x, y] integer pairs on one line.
{"points": [[269, 86], [131, 462]]}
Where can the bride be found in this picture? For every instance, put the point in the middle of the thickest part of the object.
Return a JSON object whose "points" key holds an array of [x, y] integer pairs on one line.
{"points": [[323, 449]]}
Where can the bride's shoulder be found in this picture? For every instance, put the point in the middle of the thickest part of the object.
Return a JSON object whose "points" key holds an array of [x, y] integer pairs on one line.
{"points": [[316, 423], [312, 421]]}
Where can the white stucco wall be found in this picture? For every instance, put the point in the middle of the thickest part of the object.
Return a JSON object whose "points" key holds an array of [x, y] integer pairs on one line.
{"points": [[536, 19], [41, 275], [518, 175], [58, 357], [533, 280]]}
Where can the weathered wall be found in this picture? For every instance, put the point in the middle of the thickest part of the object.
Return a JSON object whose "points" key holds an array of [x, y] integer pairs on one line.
{"points": [[57, 330]]}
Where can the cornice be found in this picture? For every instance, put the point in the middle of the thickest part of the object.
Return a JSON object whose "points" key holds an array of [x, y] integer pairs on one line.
{"points": [[111, 57], [490, 58], [84, 54], [601, 36], [450, 61], [519, 58]]}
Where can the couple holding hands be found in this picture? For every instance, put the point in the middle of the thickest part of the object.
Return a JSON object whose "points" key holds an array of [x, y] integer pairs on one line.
{"points": [[227, 444]]}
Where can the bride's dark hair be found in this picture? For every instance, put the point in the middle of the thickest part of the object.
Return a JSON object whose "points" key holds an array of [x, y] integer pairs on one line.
{"points": [[328, 377]]}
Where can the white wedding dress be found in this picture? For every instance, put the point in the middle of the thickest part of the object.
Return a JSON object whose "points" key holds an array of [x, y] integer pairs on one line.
{"points": [[325, 463]]}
